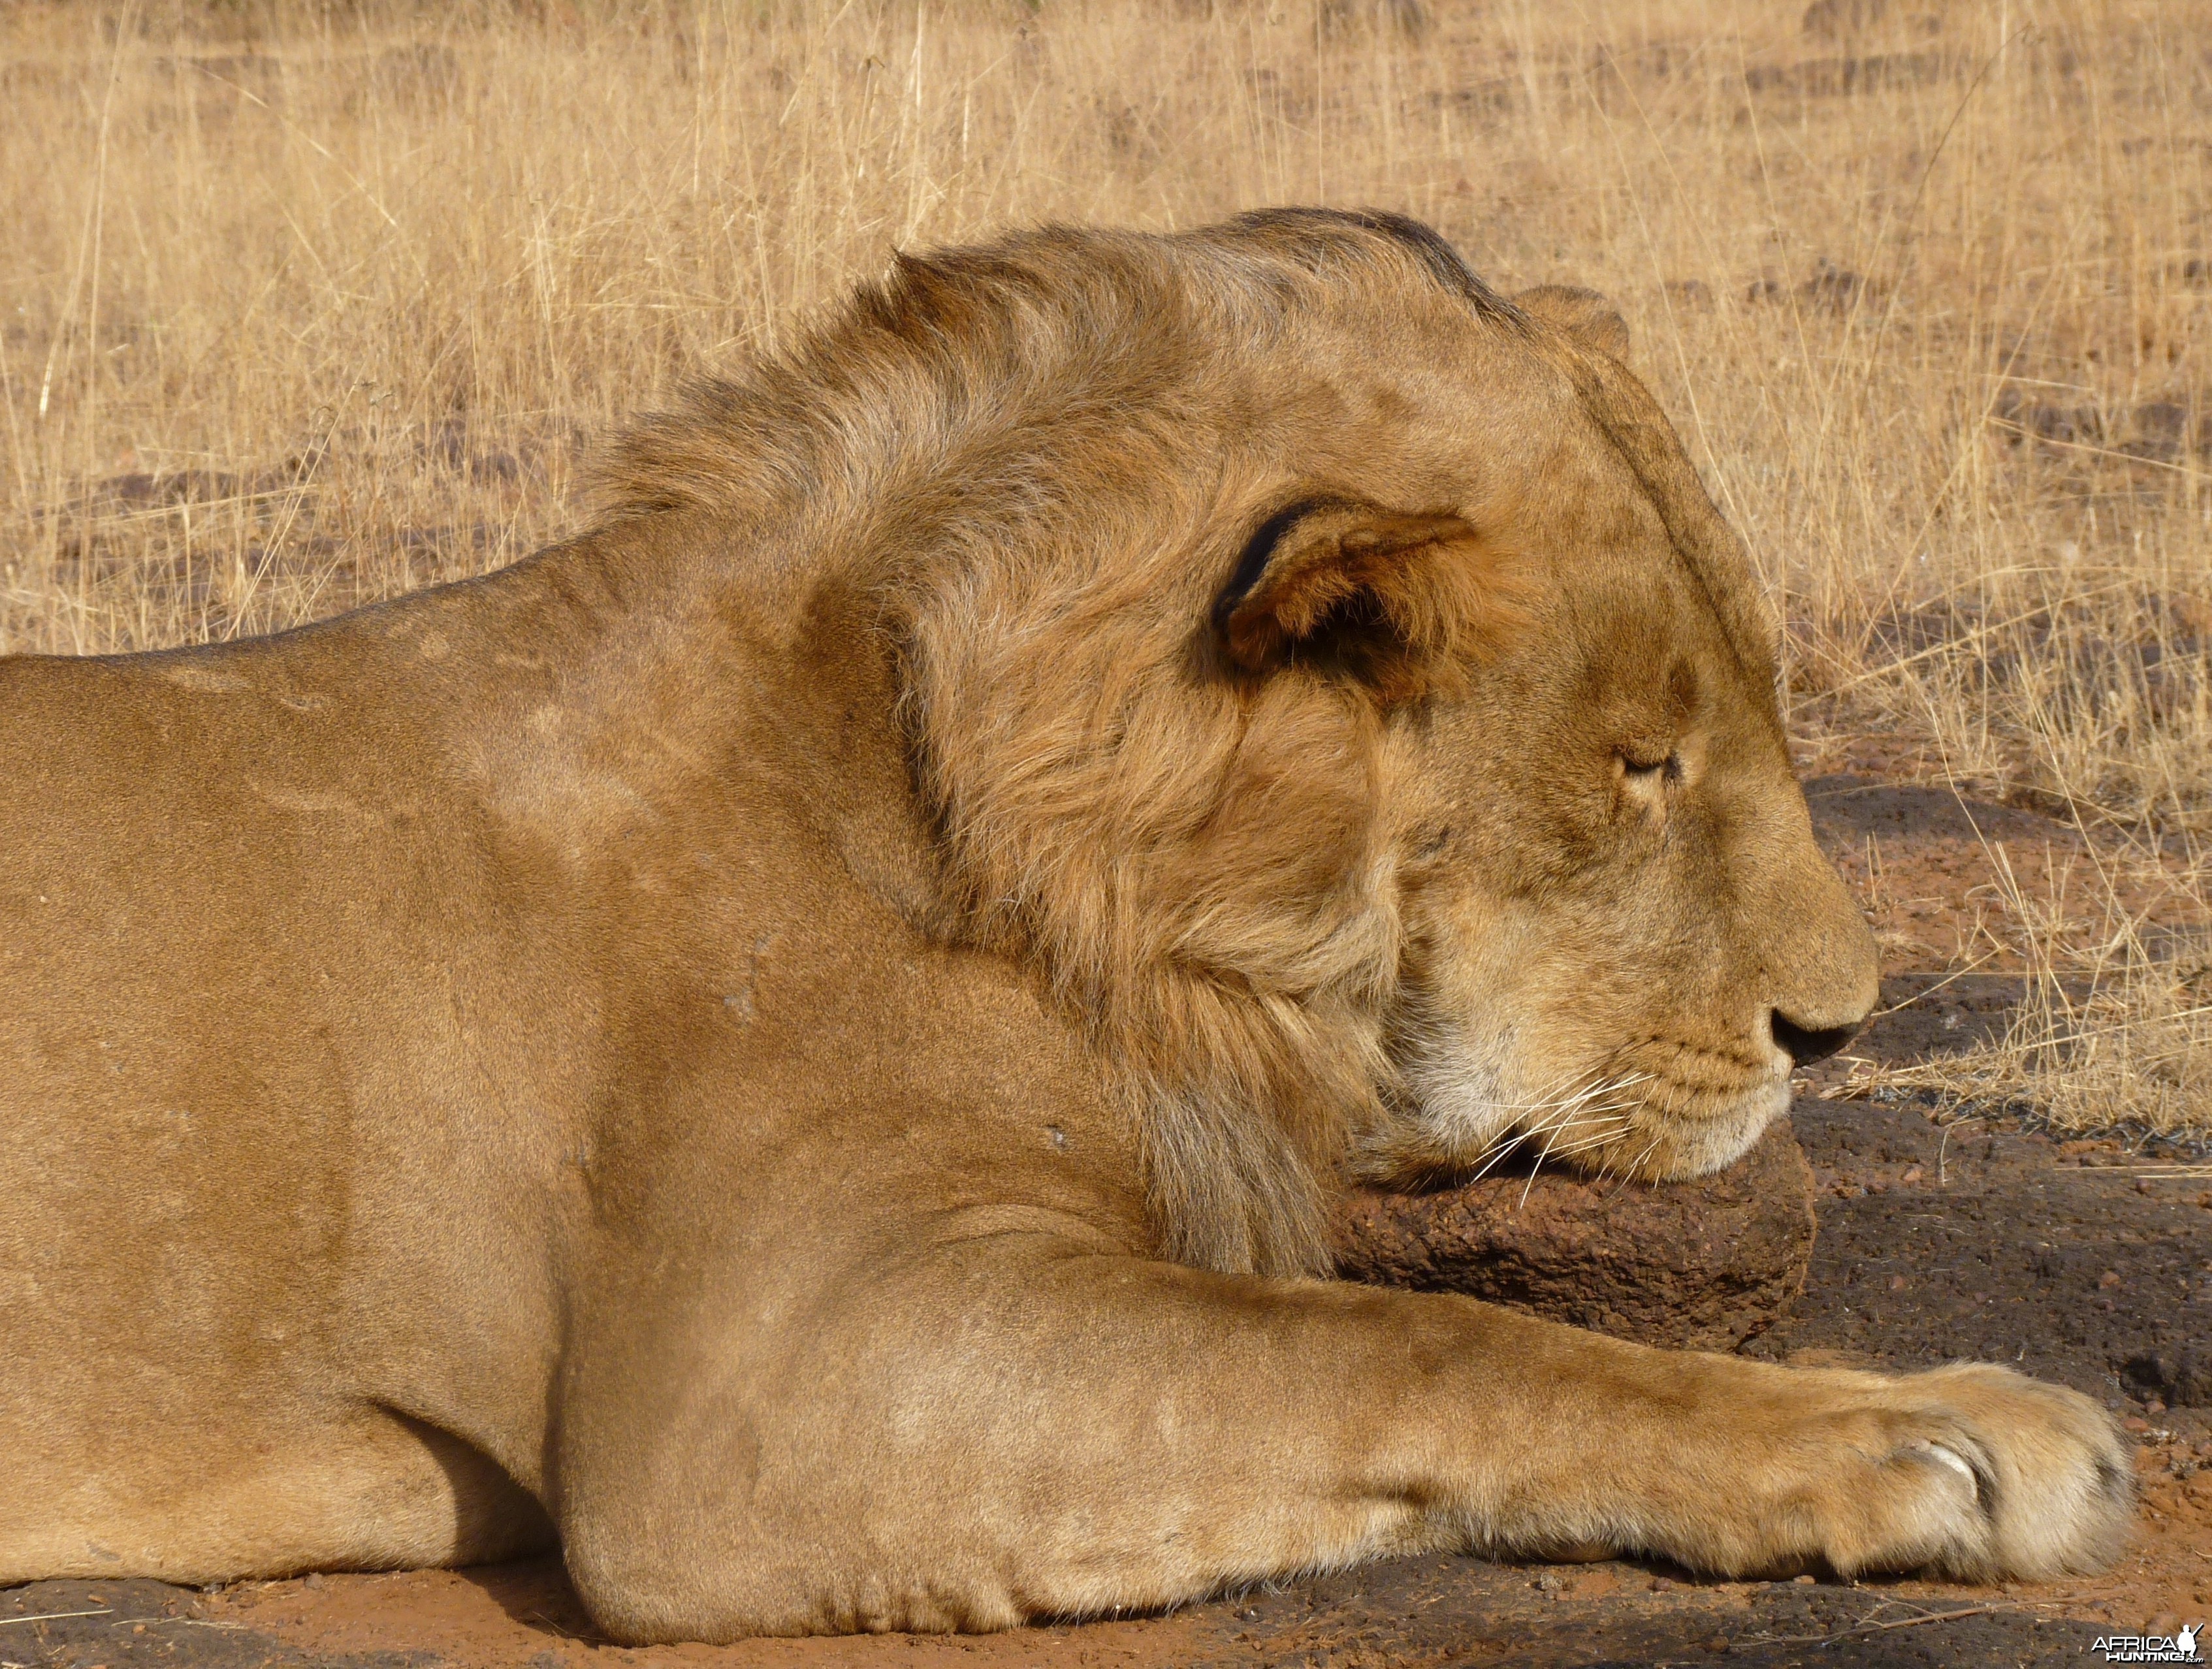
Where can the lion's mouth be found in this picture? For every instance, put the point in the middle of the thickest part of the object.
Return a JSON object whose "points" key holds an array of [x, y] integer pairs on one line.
{"points": [[1690, 1070], [1656, 1109], [1665, 1125], [1667, 1109]]}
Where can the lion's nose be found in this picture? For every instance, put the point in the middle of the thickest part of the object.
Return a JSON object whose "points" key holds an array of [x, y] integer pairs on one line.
{"points": [[1807, 1043]]}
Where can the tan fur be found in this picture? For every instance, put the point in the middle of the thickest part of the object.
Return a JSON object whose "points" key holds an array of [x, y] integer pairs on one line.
{"points": [[800, 1042]]}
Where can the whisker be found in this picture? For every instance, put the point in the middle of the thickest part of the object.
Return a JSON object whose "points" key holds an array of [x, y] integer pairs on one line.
{"points": [[1649, 1148], [1581, 1101], [1590, 1139], [1603, 1135], [1514, 1139], [1533, 1169]]}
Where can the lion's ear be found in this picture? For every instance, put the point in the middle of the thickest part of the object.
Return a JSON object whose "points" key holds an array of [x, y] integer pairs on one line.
{"points": [[1405, 601], [1583, 314]]}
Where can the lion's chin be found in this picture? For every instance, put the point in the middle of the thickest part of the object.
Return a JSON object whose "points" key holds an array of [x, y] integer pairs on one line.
{"points": [[1668, 1145], [1470, 1118]]}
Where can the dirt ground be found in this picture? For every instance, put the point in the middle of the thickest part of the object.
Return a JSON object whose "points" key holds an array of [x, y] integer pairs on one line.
{"points": [[2083, 1262]]}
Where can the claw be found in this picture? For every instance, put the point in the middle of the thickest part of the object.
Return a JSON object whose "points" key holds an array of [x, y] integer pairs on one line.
{"points": [[1947, 1456]]}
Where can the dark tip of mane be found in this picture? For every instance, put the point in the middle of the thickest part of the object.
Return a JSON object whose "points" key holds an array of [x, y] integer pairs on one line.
{"points": [[922, 294], [1443, 263]]}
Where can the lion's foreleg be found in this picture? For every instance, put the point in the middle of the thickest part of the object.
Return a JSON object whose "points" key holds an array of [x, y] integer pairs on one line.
{"points": [[1018, 1430]]}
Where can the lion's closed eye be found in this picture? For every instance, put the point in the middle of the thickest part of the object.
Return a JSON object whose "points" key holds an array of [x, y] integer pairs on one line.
{"points": [[1644, 773], [1646, 768]]}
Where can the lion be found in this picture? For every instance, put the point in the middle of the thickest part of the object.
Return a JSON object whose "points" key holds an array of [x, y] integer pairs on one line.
{"points": [[798, 1046]]}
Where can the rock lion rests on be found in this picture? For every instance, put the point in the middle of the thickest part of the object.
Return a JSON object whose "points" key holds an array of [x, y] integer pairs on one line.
{"points": [[799, 1042]]}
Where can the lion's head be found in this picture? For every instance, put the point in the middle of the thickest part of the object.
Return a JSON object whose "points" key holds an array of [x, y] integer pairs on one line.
{"points": [[1333, 679]]}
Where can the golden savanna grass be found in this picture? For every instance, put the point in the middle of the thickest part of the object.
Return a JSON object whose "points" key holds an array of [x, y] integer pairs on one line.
{"points": [[303, 306]]}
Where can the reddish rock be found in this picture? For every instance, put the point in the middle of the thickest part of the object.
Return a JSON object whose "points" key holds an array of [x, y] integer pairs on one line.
{"points": [[1704, 1265]]}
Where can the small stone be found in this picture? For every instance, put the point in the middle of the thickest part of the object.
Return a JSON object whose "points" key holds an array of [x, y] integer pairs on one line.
{"points": [[1913, 1173], [1807, 1580], [1719, 1645], [314, 1579], [2135, 1423]]}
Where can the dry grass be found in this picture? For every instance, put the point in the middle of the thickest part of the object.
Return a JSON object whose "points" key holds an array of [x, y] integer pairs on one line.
{"points": [[302, 308], [2113, 1032]]}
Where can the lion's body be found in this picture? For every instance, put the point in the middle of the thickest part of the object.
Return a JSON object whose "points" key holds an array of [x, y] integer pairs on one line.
{"points": [[798, 1043], [315, 1139]]}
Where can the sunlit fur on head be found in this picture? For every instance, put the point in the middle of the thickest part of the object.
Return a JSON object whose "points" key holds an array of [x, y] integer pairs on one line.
{"points": [[1044, 457]]}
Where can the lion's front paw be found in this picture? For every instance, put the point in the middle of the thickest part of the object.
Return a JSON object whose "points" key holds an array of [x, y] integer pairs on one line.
{"points": [[1974, 1471]]}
